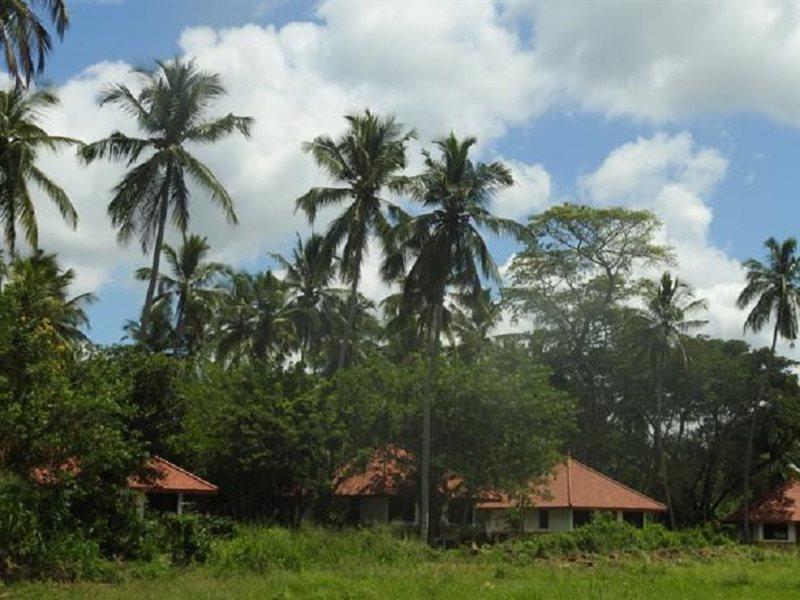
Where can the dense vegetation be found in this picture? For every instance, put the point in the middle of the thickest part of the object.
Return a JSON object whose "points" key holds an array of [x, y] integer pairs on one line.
{"points": [[268, 382], [609, 561]]}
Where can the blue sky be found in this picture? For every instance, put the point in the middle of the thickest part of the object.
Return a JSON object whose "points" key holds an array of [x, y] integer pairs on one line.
{"points": [[618, 105]]}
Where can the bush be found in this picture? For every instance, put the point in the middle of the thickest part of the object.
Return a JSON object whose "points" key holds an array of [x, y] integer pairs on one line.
{"points": [[605, 536], [261, 549]]}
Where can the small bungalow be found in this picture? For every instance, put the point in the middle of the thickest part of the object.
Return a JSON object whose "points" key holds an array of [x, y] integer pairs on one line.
{"points": [[166, 487], [568, 498], [384, 490], [380, 492], [775, 517]]}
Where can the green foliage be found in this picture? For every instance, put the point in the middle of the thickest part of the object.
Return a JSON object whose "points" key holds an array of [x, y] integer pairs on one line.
{"points": [[605, 536], [263, 549], [263, 436]]}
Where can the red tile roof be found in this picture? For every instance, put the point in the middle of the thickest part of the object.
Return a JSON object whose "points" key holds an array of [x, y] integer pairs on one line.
{"points": [[779, 505], [574, 485], [169, 478], [388, 472]]}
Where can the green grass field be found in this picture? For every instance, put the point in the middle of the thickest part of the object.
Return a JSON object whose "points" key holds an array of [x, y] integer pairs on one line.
{"points": [[602, 560], [771, 576]]}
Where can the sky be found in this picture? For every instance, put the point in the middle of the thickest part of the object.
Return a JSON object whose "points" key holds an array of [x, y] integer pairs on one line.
{"points": [[687, 109]]}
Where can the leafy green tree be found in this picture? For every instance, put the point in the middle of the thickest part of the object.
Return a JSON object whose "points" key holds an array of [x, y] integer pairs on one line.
{"points": [[775, 289], [192, 286], [574, 280], [171, 112], [448, 250], [25, 39], [665, 321], [498, 426], [41, 289], [21, 140], [312, 298], [363, 163], [263, 436], [254, 321]]}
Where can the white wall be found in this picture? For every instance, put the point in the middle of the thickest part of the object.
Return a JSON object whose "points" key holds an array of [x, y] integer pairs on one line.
{"points": [[496, 520], [758, 534]]}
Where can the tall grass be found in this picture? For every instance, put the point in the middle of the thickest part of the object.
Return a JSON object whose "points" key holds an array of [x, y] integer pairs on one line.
{"points": [[261, 549]]}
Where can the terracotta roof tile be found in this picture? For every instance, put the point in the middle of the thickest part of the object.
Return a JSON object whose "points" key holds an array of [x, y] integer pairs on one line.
{"points": [[779, 505], [170, 478], [387, 472], [574, 485]]}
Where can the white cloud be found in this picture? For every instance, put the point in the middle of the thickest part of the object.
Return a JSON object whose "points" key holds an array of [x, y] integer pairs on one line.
{"points": [[460, 69], [675, 178], [667, 60], [529, 194]]}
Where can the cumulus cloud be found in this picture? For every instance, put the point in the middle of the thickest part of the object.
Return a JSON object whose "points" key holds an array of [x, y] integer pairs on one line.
{"points": [[676, 179], [667, 60], [460, 69]]}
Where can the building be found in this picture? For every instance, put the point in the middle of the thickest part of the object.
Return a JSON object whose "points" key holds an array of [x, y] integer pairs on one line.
{"points": [[167, 486], [568, 498], [384, 490], [775, 517], [381, 491]]}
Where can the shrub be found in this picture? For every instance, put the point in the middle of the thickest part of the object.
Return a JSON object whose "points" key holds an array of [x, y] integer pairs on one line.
{"points": [[605, 536], [261, 549]]}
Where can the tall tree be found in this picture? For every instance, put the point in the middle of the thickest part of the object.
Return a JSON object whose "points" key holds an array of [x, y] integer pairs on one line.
{"points": [[24, 37], [192, 286], [575, 280], [41, 288], [21, 140], [774, 286], [448, 251], [665, 320], [170, 109], [363, 163], [308, 277], [254, 321]]}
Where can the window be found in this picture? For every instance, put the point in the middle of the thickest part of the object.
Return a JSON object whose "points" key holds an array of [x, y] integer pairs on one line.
{"points": [[581, 518], [776, 531], [544, 518], [635, 518]]}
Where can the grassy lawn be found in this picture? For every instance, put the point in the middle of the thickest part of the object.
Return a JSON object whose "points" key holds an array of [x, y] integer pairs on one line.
{"points": [[773, 575]]}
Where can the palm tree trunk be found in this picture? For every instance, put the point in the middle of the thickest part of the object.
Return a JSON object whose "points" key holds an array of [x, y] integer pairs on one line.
{"points": [[162, 224], [659, 443], [748, 452], [352, 305], [430, 383]]}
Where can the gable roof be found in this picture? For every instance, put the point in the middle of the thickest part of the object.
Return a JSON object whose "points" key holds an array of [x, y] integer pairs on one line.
{"points": [[575, 485], [779, 505], [388, 472], [169, 478]]}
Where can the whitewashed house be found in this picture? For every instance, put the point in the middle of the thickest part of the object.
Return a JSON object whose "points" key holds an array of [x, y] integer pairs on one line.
{"points": [[775, 517], [569, 497]]}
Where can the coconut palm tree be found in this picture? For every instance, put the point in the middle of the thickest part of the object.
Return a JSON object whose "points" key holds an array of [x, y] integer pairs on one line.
{"points": [[664, 322], [255, 321], [21, 141], [171, 112], [363, 163], [308, 276], [41, 289], [473, 324], [448, 252], [774, 286], [192, 285], [25, 39]]}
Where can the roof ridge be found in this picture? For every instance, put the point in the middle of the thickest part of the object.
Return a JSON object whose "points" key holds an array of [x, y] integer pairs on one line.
{"points": [[185, 472], [763, 498], [569, 480], [614, 481]]}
